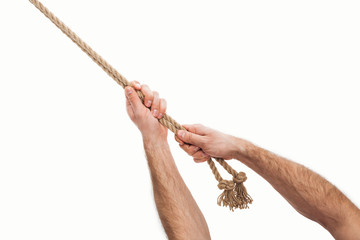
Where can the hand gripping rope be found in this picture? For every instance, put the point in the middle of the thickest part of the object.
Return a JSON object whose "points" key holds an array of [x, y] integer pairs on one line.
{"points": [[234, 194]]}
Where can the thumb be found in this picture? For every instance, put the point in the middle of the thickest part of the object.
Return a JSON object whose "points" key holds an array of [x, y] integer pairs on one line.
{"points": [[133, 99], [190, 138]]}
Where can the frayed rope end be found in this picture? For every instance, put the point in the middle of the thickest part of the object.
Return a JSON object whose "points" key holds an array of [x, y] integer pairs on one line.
{"points": [[235, 194]]}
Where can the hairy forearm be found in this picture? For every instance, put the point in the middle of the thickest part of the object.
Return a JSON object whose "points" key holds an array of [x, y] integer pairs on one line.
{"points": [[309, 193], [178, 211]]}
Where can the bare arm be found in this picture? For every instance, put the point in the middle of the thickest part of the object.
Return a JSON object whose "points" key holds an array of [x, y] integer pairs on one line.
{"points": [[309, 193], [178, 211]]}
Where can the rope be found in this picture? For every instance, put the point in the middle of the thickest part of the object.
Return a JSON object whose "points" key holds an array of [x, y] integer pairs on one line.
{"points": [[234, 194]]}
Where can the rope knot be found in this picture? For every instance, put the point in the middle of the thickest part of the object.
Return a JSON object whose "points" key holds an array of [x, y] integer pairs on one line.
{"points": [[226, 185], [240, 177]]}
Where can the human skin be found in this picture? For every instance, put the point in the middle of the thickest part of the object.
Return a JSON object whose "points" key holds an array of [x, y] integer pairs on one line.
{"points": [[178, 211], [309, 193]]}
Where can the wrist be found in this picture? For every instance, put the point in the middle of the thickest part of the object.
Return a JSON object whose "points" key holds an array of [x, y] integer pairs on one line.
{"points": [[156, 147], [154, 140], [154, 134], [241, 149]]}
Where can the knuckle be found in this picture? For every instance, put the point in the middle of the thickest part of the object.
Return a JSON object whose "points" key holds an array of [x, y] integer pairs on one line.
{"points": [[155, 93], [163, 105], [186, 149], [197, 126], [135, 84], [188, 136], [146, 90], [157, 104], [149, 96], [193, 150]]}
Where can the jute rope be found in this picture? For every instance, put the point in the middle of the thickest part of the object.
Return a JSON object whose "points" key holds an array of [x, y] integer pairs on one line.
{"points": [[234, 194]]}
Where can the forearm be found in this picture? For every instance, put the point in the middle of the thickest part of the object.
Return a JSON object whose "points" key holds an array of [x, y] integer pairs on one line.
{"points": [[178, 211], [309, 193]]}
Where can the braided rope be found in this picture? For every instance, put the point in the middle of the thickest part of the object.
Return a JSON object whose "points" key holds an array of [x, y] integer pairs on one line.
{"points": [[235, 194]]}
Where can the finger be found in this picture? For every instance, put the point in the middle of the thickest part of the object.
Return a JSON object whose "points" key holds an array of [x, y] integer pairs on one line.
{"points": [[193, 149], [201, 160], [197, 128], [148, 100], [189, 137], [190, 149], [155, 105], [200, 155], [136, 85], [162, 108], [133, 99], [179, 141]]}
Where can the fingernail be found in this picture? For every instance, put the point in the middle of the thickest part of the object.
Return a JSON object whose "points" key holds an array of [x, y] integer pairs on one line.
{"points": [[137, 85], [155, 112], [148, 103], [160, 115], [196, 149], [181, 133], [128, 91], [181, 144]]}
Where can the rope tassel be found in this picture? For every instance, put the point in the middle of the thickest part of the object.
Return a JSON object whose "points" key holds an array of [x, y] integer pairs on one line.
{"points": [[228, 197], [244, 199], [235, 194]]}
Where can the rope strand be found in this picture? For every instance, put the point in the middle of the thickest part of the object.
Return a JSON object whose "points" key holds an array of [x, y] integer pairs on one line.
{"points": [[235, 194]]}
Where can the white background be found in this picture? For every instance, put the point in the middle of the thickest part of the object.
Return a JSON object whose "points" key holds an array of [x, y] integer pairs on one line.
{"points": [[282, 74]]}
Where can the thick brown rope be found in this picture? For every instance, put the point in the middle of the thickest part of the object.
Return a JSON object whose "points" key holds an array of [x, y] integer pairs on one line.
{"points": [[234, 194]]}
